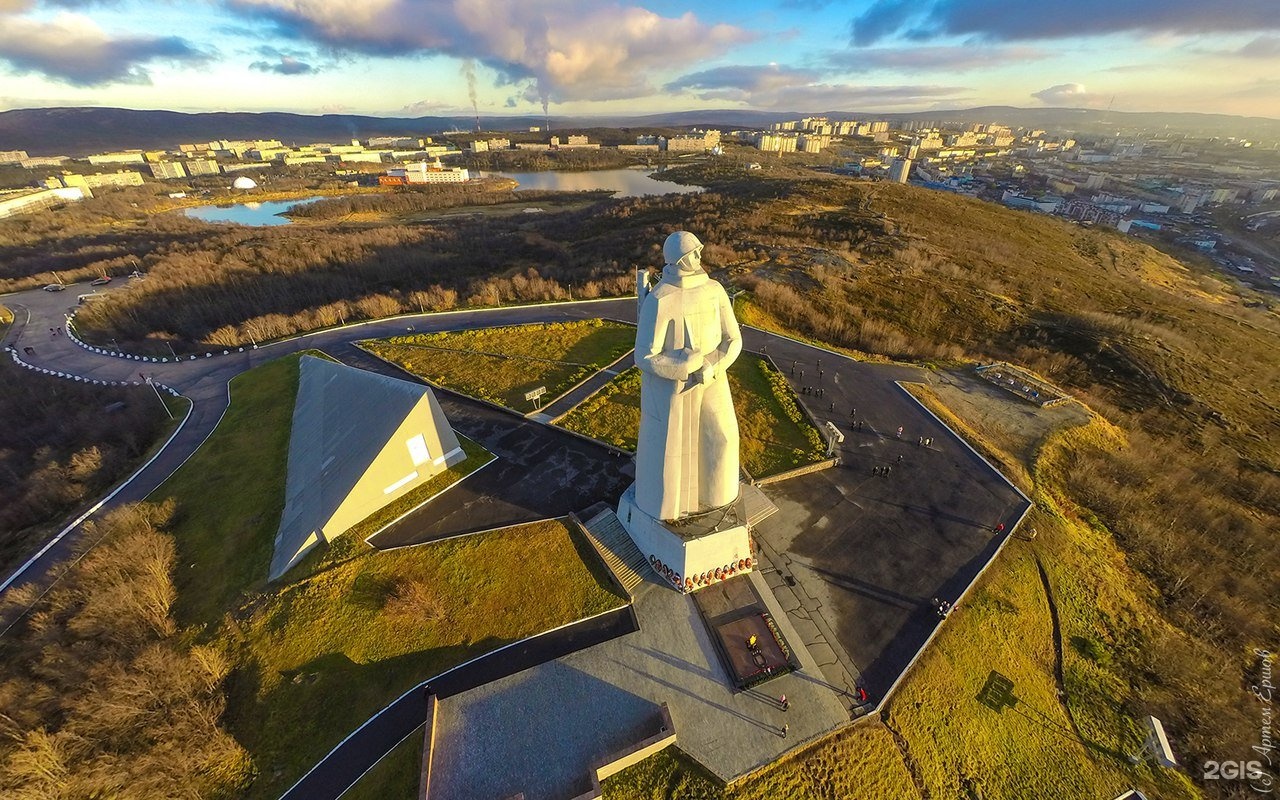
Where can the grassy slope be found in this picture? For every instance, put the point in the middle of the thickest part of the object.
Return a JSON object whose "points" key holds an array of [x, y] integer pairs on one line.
{"points": [[775, 436], [332, 631], [231, 494], [502, 364], [54, 413]]}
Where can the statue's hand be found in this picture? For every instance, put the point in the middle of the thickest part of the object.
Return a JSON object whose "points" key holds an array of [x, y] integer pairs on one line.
{"points": [[693, 362]]}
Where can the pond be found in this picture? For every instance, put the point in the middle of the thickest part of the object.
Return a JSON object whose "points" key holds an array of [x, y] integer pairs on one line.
{"points": [[624, 182], [250, 213]]}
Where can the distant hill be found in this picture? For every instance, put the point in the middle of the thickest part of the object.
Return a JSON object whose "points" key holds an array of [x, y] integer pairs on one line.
{"points": [[78, 131]]}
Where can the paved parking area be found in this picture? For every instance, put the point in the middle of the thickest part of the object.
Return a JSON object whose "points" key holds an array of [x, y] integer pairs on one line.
{"points": [[859, 554]]}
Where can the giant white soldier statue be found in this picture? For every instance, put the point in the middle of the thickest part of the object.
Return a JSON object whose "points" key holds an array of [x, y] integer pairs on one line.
{"points": [[687, 336]]}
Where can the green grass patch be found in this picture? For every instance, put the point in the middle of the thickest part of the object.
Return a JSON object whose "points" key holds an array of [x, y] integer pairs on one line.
{"points": [[370, 627], [775, 435], [395, 777], [502, 364], [231, 493], [354, 627]]}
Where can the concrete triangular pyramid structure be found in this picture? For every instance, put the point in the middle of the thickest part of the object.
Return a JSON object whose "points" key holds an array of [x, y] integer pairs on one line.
{"points": [[359, 441]]}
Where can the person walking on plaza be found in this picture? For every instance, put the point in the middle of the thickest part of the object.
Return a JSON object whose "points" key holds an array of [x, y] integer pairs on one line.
{"points": [[784, 703], [785, 729]]}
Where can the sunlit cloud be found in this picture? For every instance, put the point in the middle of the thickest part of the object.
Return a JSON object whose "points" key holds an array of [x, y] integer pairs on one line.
{"points": [[1065, 94], [775, 86], [558, 50], [1002, 20], [72, 49]]}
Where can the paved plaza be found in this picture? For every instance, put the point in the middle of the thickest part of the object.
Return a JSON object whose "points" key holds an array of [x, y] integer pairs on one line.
{"points": [[539, 731]]}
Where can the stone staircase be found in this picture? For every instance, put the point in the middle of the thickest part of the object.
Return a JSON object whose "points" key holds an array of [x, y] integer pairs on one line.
{"points": [[614, 544]]}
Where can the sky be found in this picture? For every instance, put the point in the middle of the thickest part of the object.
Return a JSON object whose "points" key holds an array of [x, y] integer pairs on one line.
{"points": [[584, 57]]}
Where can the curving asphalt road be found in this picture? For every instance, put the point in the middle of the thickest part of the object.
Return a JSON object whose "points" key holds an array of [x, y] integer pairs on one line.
{"points": [[204, 381]]}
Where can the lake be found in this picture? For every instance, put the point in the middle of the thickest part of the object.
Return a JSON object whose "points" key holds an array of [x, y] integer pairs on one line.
{"points": [[252, 213], [625, 182]]}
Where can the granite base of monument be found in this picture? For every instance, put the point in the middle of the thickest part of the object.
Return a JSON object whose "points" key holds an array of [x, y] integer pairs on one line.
{"points": [[693, 552]]}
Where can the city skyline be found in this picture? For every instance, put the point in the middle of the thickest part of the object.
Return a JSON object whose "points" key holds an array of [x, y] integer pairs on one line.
{"points": [[493, 57]]}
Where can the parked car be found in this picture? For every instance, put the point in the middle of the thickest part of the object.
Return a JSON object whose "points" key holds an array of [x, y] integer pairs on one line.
{"points": [[105, 279], [54, 287]]}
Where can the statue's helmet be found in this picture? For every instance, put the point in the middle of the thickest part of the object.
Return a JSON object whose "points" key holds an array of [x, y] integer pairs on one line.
{"points": [[678, 245]]}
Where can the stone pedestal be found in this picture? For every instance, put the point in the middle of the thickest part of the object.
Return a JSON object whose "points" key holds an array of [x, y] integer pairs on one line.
{"points": [[695, 551]]}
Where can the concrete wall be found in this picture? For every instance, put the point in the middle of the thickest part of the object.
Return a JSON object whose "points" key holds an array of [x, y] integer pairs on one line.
{"points": [[428, 748], [616, 762], [719, 550], [817, 466], [688, 557]]}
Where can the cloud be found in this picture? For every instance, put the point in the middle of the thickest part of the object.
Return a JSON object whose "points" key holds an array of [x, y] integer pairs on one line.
{"points": [[10, 103], [1126, 68], [957, 59], [72, 49], [1005, 20], [776, 86], [1265, 88], [286, 65], [425, 108], [744, 78], [1262, 47], [567, 49], [1065, 94]]}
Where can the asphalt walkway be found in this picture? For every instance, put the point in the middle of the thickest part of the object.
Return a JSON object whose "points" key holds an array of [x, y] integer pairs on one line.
{"points": [[582, 391]]}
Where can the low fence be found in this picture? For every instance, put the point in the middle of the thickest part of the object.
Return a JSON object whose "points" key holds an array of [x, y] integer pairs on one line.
{"points": [[157, 385], [1022, 384], [804, 469]]}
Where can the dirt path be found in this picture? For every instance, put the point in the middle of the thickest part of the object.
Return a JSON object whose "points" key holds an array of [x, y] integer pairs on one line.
{"points": [[908, 760]]}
